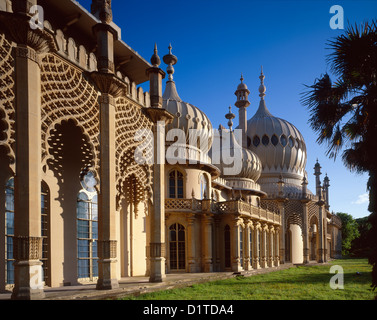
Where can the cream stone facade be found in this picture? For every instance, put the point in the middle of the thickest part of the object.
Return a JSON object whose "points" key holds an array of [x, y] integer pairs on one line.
{"points": [[75, 204]]}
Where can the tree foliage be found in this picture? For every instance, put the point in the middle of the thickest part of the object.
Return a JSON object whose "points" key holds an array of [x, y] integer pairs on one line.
{"points": [[350, 232], [343, 112]]}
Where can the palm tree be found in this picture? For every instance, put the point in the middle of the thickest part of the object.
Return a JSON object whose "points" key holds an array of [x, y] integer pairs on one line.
{"points": [[344, 113]]}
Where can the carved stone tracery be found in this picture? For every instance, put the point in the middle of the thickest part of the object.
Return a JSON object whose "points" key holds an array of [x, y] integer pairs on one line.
{"points": [[66, 94], [7, 95], [129, 119]]}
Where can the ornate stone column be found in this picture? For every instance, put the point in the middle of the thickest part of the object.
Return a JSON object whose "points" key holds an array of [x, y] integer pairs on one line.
{"points": [[246, 263], [107, 245], [31, 44], [256, 258], [191, 243], [277, 237], [111, 88], [321, 248], [236, 259], [160, 117], [207, 222], [263, 258], [271, 233]]}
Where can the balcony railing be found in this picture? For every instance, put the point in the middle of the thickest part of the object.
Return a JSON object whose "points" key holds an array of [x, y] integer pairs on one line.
{"points": [[226, 207]]}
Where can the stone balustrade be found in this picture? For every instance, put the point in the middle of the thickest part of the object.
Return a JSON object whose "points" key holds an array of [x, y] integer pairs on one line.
{"points": [[227, 207]]}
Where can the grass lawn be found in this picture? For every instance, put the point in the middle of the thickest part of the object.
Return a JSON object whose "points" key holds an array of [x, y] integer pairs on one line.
{"points": [[297, 283]]}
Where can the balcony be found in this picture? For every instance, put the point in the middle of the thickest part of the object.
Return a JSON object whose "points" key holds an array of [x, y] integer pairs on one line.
{"points": [[236, 207]]}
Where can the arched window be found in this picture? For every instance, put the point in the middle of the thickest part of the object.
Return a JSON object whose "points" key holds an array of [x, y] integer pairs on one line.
{"points": [[87, 229], [227, 246], [9, 231], [275, 140], [291, 142], [256, 141], [283, 140], [265, 140], [177, 247], [175, 185], [203, 187]]}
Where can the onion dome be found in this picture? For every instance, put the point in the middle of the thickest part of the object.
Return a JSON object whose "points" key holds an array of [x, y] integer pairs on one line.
{"points": [[186, 116], [155, 59], [250, 166], [278, 143]]}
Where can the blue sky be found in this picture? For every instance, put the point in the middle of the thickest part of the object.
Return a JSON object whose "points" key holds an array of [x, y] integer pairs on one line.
{"points": [[217, 40]]}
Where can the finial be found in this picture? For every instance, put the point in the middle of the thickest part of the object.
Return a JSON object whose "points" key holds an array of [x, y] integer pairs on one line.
{"points": [[170, 60], [262, 87], [230, 116], [242, 79], [155, 60], [102, 10]]}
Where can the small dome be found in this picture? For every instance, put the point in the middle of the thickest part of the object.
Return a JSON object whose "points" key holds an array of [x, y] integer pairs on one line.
{"points": [[251, 166], [186, 116], [242, 85]]}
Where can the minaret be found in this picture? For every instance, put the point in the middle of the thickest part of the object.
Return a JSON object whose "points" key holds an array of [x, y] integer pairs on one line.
{"points": [[230, 116], [317, 173], [170, 89], [242, 103], [326, 185], [155, 80]]}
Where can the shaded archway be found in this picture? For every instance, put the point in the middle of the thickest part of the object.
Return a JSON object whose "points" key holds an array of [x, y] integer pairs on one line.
{"points": [[313, 238], [133, 228], [70, 158]]}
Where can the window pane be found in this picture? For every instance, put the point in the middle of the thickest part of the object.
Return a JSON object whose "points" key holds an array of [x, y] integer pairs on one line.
{"points": [[256, 141], [274, 140], [82, 210], [83, 229], [283, 140], [180, 193], [265, 140]]}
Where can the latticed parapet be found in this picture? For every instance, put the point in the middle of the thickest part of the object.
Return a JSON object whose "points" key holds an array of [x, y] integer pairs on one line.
{"points": [[236, 207]]}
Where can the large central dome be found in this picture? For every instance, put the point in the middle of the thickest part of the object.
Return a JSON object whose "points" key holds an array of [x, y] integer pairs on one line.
{"points": [[279, 145]]}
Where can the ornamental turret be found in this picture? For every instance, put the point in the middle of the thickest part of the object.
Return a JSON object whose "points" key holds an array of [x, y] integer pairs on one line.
{"points": [[242, 103]]}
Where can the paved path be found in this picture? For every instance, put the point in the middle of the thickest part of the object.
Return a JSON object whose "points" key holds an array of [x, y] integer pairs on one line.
{"points": [[139, 285]]}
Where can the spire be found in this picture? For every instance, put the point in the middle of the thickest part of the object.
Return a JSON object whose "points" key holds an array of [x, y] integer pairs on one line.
{"points": [[262, 110], [262, 87], [170, 89], [230, 116], [170, 60], [155, 60]]}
